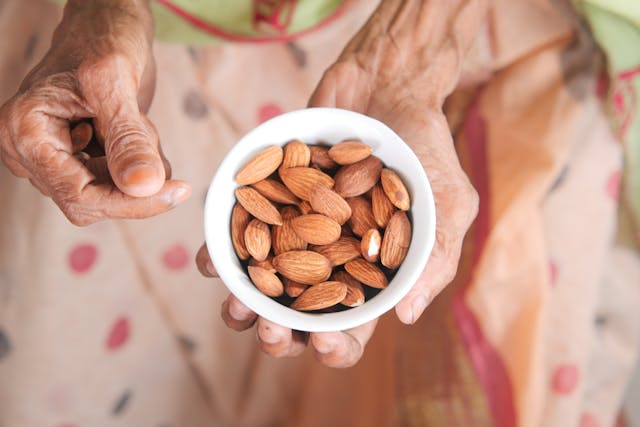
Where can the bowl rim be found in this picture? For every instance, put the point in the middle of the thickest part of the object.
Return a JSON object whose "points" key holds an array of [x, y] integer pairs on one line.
{"points": [[272, 310]]}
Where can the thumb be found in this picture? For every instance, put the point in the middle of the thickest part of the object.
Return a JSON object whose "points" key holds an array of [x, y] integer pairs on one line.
{"points": [[133, 154]]}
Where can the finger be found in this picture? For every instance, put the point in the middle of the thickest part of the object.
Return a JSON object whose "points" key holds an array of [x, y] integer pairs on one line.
{"points": [[342, 349], [236, 315], [205, 266], [278, 341], [165, 163], [97, 166], [81, 135]]}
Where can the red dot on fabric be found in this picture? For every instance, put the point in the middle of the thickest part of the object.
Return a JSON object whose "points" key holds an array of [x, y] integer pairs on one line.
{"points": [[119, 334], [268, 111], [82, 257], [613, 184], [553, 272], [565, 379], [176, 257], [588, 420]]}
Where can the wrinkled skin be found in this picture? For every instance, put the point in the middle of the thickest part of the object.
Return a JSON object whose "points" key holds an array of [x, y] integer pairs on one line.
{"points": [[390, 72], [99, 68]]}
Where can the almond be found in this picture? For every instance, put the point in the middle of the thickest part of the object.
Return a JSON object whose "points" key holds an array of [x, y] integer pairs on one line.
{"points": [[260, 166], [257, 205], [327, 202], [301, 180], [323, 295], [355, 292], [362, 218], [320, 157], [293, 289], [276, 192], [266, 264], [283, 237], [396, 241], [349, 152], [257, 239], [267, 282], [381, 206], [296, 154], [239, 220], [316, 229], [339, 252], [370, 245], [305, 207], [356, 179], [304, 267], [395, 189], [366, 273]]}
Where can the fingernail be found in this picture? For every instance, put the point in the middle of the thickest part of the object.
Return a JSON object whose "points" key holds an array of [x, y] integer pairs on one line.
{"points": [[324, 346], [138, 174], [268, 337], [418, 305], [180, 194], [211, 269], [238, 313]]}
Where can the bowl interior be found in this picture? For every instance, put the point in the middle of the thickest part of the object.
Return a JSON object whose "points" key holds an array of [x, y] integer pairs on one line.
{"points": [[319, 126]]}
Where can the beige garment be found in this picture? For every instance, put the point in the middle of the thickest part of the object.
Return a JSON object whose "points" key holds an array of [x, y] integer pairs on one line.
{"points": [[112, 325]]}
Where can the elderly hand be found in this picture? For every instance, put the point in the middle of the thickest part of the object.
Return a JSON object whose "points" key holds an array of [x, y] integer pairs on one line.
{"points": [[398, 69], [100, 71]]}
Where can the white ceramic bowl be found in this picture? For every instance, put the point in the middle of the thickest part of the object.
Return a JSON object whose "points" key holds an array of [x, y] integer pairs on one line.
{"points": [[328, 126]]}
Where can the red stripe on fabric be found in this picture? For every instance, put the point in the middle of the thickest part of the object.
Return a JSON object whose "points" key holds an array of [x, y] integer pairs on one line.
{"points": [[488, 364], [219, 32], [629, 73]]}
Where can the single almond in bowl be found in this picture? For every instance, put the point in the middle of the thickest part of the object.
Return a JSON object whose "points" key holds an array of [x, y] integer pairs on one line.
{"points": [[370, 245], [396, 241], [362, 219], [258, 205], [239, 220], [323, 295], [257, 239], [327, 202], [358, 178], [296, 154], [316, 229], [260, 166], [268, 283], [355, 292], [306, 267], [283, 237], [367, 273], [349, 152], [321, 159], [381, 206], [339, 252], [301, 180], [276, 192], [395, 189], [293, 289]]}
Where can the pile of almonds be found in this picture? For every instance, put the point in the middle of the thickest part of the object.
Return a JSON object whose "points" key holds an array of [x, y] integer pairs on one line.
{"points": [[308, 224]]}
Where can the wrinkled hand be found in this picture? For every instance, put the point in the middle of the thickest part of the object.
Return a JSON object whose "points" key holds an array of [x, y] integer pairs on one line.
{"points": [[76, 127], [398, 69]]}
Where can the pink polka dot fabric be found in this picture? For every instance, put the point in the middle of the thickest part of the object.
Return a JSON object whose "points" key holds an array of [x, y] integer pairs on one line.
{"points": [[118, 334], [565, 379], [82, 257]]}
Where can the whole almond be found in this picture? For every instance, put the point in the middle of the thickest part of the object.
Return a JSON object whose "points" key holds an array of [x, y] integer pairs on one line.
{"points": [[362, 218], [304, 267], [381, 206], [258, 205], [320, 157], [276, 192], [266, 264], [260, 166], [323, 295], [366, 273], [355, 292], [239, 220], [395, 189], [339, 252], [257, 239], [296, 154], [396, 241], [293, 289], [316, 229], [370, 245], [327, 202], [349, 152], [356, 179], [283, 237], [301, 180], [268, 283]]}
